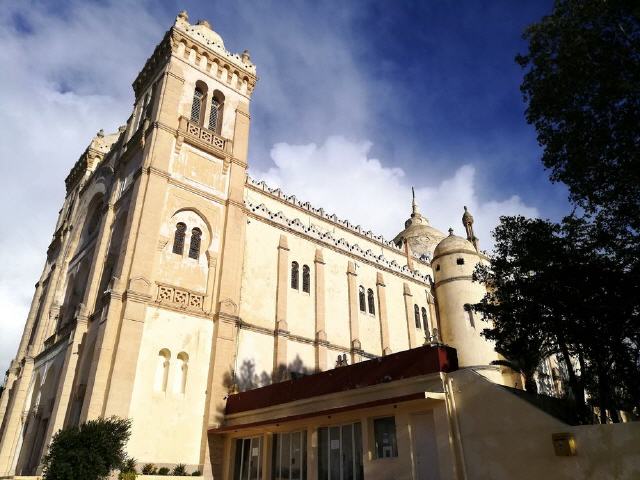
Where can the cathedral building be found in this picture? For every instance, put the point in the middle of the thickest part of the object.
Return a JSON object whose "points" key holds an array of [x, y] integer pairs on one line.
{"points": [[246, 333]]}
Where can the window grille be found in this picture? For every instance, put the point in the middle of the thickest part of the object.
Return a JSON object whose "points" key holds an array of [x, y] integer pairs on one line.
{"points": [[214, 115], [363, 306], [306, 279], [194, 246], [371, 301], [424, 319], [196, 106], [416, 314], [178, 238], [295, 280]]}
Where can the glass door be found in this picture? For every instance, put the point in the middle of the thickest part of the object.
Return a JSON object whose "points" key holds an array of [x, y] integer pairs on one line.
{"points": [[289, 456], [247, 459], [340, 452]]}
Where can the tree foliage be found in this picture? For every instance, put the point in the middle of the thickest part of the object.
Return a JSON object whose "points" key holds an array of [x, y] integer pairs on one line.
{"points": [[89, 451], [552, 290], [582, 87]]}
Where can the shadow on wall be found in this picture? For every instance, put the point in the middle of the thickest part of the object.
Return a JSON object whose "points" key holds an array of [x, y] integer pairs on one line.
{"points": [[247, 377]]}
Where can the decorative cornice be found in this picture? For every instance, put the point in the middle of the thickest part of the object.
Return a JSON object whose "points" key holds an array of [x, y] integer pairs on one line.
{"points": [[338, 243], [357, 230], [453, 279]]}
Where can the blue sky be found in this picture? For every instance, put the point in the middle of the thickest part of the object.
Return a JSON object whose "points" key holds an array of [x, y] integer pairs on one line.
{"points": [[356, 102]]}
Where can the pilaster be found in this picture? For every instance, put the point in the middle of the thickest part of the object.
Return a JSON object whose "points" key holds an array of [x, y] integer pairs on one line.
{"points": [[354, 321], [281, 326], [14, 418], [321, 335], [408, 308], [382, 308], [65, 384]]}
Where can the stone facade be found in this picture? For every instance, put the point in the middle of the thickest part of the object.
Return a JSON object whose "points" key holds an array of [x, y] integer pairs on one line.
{"points": [[174, 279]]}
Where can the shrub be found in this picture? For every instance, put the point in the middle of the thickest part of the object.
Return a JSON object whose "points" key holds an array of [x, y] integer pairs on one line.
{"points": [[163, 471], [149, 469], [89, 451], [127, 476], [197, 473], [180, 470]]}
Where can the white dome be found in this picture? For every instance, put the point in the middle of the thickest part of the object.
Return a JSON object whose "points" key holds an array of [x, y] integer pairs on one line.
{"points": [[453, 243]]}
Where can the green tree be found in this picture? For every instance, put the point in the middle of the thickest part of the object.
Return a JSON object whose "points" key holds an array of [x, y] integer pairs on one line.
{"points": [[89, 451], [582, 88]]}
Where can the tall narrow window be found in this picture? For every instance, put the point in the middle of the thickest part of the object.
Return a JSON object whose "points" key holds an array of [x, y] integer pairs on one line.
{"points": [[162, 370], [416, 314], [424, 319], [196, 106], [371, 301], [306, 279], [194, 246], [214, 116], [181, 379], [295, 280], [178, 238], [362, 297], [469, 310]]}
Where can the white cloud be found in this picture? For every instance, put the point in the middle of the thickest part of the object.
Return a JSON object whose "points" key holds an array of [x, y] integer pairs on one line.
{"points": [[340, 176]]}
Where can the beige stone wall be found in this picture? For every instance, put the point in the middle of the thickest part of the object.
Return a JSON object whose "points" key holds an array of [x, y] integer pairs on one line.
{"points": [[170, 414]]}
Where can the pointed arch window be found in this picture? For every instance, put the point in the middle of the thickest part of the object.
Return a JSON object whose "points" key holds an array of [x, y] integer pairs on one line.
{"points": [[295, 275], [196, 106], [178, 238], [306, 279], [424, 319], [194, 246], [371, 302], [215, 117], [362, 297], [416, 314]]}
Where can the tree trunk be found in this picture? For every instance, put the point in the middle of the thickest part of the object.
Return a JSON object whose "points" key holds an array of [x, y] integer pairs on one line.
{"points": [[530, 384]]}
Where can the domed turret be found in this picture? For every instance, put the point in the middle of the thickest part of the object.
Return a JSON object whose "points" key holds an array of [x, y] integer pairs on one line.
{"points": [[454, 261], [421, 237]]}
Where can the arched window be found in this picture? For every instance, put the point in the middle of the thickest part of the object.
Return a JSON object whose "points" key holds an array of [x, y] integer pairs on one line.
{"points": [[194, 246], [371, 301], [178, 238], [416, 314], [363, 301], [181, 381], [196, 106], [162, 370], [306, 279], [215, 117], [424, 319], [295, 280]]}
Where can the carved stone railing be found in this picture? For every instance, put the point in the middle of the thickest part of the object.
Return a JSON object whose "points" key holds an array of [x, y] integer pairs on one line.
{"points": [[192, 130], [179, 298]]}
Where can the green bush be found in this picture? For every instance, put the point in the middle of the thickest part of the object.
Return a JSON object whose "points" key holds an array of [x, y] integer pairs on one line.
{"points": [[180, 470], [197, 473], [149, 469], [163, 471], [89, 451], [127, 476]]}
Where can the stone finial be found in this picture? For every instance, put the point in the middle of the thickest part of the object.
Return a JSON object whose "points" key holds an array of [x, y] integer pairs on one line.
{"points": [[467, 223], [450, 232], [204, 23], [183, 15], [246, 57], [100, 133], [414, 205]]}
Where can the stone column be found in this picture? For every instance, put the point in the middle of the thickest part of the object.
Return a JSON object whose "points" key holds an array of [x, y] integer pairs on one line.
{"points": [[408, 307], [281, 331], [354, 329], [13, 421], [321, 334], [382, 309], [31, 321], [12, 375], [433, 316]]}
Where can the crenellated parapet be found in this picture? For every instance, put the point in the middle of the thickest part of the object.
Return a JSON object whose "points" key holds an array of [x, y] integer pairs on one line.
{"points": [[200, 45], [340, 243], [319, 212], [94, 154]]}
